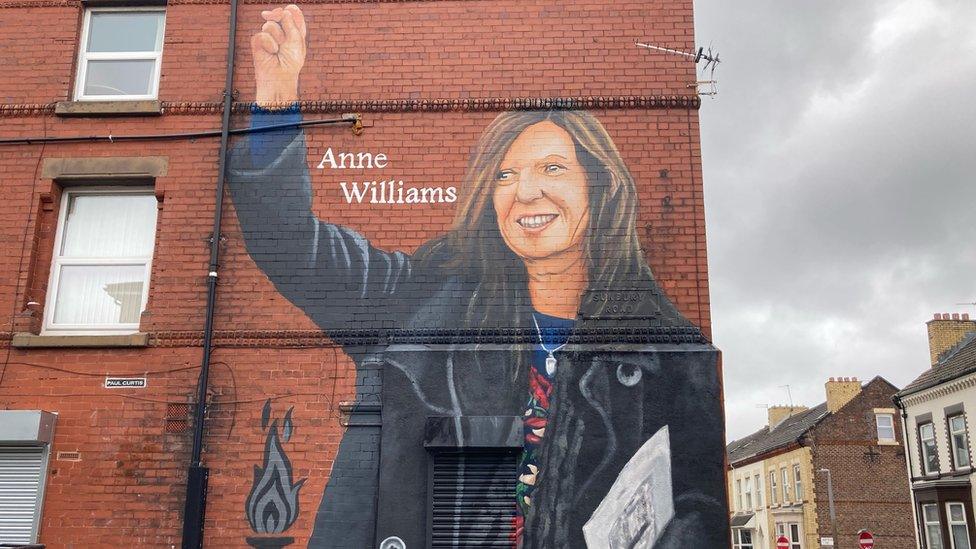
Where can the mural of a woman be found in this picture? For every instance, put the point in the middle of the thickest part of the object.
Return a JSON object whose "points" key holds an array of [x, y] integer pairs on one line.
{"points": [[547, 211]]}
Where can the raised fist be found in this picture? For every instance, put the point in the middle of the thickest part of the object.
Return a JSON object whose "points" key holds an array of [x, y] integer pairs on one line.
{"points": [[279, 54]]}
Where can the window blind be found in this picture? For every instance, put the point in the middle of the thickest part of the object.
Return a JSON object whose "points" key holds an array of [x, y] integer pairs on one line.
{"points": [[21, 479]]}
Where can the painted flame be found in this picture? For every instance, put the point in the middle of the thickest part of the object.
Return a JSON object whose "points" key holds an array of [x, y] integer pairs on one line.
{"points": [[272, 505]]}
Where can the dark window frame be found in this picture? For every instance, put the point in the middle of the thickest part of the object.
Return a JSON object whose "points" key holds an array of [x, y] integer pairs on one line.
{"points": [[923, 467], [940, 496], [952, 414]]}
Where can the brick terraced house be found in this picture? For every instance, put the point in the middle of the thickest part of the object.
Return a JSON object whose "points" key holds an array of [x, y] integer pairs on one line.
{"points": [[855, 435], [355, 274]]}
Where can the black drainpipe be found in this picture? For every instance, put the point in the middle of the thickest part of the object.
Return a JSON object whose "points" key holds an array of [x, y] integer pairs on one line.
{"points": [[908, 455], [196, 478]]}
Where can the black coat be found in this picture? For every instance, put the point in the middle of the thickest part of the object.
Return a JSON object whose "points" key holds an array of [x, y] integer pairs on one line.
{"points": [[609, 400]]}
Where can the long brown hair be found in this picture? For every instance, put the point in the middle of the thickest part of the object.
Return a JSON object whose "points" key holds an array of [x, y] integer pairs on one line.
{"points": [[497, 277]]}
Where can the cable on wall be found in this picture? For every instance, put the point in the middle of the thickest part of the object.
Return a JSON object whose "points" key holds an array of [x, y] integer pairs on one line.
{"points": [[23, 251], [353, 120]]}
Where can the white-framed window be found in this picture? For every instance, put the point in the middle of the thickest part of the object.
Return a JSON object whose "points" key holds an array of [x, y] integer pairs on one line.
{"points": [[748, 493], [773, 495], [786, 484], [959, 440], [742, 539], [797, 483], [759, 491], [795, 542], [933, 528], [792, 532], [930, 449], [120, 54], [102, 258], [738, 494], [885, 424], [958, 527]]}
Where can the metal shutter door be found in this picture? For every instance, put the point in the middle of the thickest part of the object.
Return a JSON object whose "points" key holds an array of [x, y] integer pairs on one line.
{"points": [[20, 483], [473, 499]]}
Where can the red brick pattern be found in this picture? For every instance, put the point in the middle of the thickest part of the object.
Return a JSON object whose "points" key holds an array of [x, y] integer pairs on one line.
{"points": [[128, 486], [870, 480], [391, 50]]}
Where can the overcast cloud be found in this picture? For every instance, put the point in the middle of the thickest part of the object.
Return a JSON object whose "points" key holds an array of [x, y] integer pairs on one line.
{"points": [[840, 189]]}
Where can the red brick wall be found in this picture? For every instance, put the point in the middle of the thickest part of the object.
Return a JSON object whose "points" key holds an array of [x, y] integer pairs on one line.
{"points": [[128, 486], [386, 50], [870, 491]]}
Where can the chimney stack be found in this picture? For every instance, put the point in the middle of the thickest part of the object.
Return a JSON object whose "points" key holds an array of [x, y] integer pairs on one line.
{"points": [[840, 391], [946, 331], [779, 414]]}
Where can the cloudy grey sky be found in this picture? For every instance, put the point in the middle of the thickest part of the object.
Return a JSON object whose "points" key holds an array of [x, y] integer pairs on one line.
{"points": [[840, 188]]}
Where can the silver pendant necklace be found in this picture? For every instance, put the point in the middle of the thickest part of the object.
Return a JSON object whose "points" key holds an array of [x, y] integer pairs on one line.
{"points": [[551, 359]]}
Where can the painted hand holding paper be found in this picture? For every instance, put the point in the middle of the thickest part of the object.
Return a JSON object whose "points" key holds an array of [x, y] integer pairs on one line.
{"points": [[639, 505]]}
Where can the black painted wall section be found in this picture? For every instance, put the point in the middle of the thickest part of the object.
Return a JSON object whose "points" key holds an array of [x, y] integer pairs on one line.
{"points": [[609, 401], [353, 489]]}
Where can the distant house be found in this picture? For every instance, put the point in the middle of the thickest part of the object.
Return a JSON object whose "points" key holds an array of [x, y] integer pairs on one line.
{"points": [[936, 408], [778, 475]]}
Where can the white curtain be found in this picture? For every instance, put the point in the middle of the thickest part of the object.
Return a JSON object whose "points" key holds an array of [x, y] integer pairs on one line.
{"points": [[103, 265], [116, 226]]}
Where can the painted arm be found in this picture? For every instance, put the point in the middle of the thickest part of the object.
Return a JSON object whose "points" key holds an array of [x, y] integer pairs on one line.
{"points": [[330, 272]]}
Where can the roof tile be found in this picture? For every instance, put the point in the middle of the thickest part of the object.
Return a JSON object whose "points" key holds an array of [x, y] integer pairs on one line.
{"points": [[764, 440], [958, 362]]}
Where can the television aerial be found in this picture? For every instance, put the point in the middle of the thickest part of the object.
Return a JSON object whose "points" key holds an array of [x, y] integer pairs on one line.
{"points": [[707, 85], [970, 303]]}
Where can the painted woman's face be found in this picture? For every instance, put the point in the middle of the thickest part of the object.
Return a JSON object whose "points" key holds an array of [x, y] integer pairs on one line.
{"points": [[541, 194]]}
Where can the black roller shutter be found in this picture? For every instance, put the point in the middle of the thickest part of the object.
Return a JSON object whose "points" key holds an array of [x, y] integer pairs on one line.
{"points": [[473, 498]]}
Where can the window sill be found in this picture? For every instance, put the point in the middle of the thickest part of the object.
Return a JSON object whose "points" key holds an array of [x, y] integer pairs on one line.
{"points": [[786, 506], [108, 108], [33, 341]]}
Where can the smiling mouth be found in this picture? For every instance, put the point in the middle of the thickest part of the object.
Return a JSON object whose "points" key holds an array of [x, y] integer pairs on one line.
{"points": [[536, 221]]}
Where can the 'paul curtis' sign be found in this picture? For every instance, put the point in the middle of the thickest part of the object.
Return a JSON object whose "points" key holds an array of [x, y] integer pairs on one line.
{"points": [[125, 383]]}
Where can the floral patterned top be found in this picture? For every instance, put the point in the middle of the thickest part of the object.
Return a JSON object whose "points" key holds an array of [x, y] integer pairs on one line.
{"points": [[554, 332]]}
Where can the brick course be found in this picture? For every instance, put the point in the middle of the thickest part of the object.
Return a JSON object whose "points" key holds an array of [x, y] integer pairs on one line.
{"points": [[870, 480], [128, 486]]}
